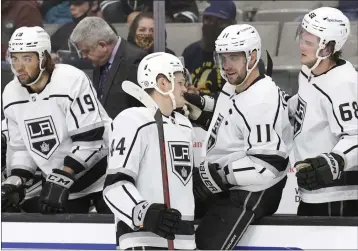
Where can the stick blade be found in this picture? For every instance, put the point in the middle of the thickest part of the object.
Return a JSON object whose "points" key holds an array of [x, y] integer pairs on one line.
{"points": [[138, 93]]}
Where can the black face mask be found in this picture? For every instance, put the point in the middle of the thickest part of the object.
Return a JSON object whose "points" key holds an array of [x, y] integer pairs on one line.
{"points": [[210, 32]]}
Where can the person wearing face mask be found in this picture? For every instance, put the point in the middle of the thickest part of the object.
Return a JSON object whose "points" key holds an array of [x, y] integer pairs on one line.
{"points": [[141, 32], [198, 56]]}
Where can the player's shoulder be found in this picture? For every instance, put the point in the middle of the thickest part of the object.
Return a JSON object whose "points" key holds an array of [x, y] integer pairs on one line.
{"points": [[262, 91], [182, 120], [134, 117], [340, 79], [69, 75], [14, 92]]}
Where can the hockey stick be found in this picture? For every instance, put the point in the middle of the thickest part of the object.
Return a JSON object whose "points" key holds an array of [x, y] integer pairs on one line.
{"points": [[138, 93]]}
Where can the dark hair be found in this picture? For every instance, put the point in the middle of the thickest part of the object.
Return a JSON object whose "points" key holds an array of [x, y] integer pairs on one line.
{"points": [[134, 25], [48, 63], [335, 56]]}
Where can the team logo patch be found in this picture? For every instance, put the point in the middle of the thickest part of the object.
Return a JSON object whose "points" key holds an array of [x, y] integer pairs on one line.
{"points": [[214, 133], [42, 136], [180, 156], [299, 116]]}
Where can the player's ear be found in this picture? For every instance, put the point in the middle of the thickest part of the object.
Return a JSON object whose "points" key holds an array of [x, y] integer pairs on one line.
{"points": [[162, 83], [253, 59]]}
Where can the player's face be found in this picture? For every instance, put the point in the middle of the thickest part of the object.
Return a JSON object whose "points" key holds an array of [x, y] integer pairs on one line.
{"points": [[234, 65], [179, 89], [26, 64], [308, 46], [96, 53]]}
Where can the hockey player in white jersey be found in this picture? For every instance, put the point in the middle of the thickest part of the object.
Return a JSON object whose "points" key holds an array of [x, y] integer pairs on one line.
{"points": [[326, 118], [55, 123], [246, 148], [133, 188]]}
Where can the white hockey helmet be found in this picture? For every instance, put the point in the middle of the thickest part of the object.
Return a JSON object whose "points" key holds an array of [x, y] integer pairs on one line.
{"points": [[238, 38], [328, 24], [29, 39], [159, 63]]}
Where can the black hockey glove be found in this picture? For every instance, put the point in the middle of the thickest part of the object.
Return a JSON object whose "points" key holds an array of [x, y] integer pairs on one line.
{"points": [[157, 218], [200, 108], [54, 194], [3, 152], [318, 172], [12, 193], [207, 181]]}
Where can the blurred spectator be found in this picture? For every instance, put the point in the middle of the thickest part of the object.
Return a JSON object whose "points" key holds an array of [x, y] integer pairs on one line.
{"points": [[198, 56], [115, 59], [141, 32], [55, 11], [15, 14], [183, 11], [79, 10], [112, 11]]}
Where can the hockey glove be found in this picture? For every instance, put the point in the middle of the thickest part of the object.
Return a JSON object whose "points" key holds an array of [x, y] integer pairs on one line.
{"points": [[54, 194], [157, 219], [12, 193], [318, 172], [197, 104], [207, 181]]}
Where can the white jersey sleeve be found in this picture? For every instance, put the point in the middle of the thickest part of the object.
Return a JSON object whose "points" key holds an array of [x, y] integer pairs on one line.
{"points": [[22, 164], [266, 155], [86, 123], [126, 150], [342, 112]]}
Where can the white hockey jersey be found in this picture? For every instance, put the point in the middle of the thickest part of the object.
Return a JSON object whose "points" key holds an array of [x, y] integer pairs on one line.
{"points": [[326, 120], [64, 125], [250, 135], [134, 172]]}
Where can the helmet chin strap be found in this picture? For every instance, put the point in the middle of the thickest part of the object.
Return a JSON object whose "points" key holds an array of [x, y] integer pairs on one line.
{"points": [[241, 87], [173, 100], [38, 77], [319, 58]]}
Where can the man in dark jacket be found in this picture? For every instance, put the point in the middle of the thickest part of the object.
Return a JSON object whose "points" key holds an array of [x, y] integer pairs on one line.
{"points": [[114, 59]]}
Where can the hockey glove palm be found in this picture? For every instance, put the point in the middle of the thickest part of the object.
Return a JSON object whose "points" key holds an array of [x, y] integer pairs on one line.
{"points": [[207, 181], [54, 194], [197, 104], [12, 193], [318, 172], [157, 219]]}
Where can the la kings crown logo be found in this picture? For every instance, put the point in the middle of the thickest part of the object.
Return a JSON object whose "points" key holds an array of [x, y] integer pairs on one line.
{"points": [[42, 136], [181, 164], [299, 116]]}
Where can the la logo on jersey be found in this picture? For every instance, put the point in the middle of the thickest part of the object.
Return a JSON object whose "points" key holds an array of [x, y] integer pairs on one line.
{"points": [[42, 136], [214, 133], [299, 116], [180, 156]]}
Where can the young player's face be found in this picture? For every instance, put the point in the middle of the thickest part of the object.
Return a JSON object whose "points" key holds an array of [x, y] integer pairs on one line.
{"points": [[26, 64], [179, 89], [308, 45], [96, 54], [234, 65]]}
